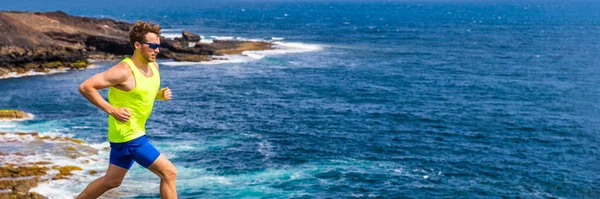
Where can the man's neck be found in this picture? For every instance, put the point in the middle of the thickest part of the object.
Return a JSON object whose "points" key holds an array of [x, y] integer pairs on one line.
{"points": [[139, 61]]}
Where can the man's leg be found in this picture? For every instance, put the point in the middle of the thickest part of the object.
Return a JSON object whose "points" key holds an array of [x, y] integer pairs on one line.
{"points": [[113, 178], [168, 174], [148, 156]]}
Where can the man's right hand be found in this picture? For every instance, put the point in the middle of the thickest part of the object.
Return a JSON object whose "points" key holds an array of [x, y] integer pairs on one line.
{"points": [[121, 114]]}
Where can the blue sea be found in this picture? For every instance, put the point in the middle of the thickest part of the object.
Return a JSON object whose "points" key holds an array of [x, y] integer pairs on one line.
{"points": [[385, 99]]}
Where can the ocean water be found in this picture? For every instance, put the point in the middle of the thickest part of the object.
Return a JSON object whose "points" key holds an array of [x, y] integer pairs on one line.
{"points": [[448, 99]]}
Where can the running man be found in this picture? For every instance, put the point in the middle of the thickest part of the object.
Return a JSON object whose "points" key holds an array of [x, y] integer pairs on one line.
{"points": [[133, 86]]}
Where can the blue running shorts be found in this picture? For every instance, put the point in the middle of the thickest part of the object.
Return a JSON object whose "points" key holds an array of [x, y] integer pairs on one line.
{"points": [[139, 150]]}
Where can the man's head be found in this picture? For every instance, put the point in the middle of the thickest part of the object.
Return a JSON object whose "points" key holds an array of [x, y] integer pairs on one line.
{"points": [[145, 38]]}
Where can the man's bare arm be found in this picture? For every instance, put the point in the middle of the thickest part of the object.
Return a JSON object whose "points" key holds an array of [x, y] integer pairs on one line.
{"points": [[89, 89]]}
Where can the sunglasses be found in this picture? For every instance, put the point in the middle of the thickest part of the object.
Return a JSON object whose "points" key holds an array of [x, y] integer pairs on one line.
{"points": [[151, 45]]}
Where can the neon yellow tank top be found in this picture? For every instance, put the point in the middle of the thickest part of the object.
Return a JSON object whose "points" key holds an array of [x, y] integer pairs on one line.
{"points": [[139, 101]]}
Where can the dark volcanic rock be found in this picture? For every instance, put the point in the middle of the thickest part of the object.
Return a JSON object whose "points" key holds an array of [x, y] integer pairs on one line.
{"points": [[191, 37], [42, 41]]}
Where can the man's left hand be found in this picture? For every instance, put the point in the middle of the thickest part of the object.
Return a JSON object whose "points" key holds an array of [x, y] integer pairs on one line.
{"points": [[166, 93]]}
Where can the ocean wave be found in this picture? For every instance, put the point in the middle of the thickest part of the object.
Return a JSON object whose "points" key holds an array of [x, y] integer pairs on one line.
{"points": [[224, 38], [171, 35], [33, 73], [228, 59], [247, 56], [51, 128], [171, 30], [283, 48]]}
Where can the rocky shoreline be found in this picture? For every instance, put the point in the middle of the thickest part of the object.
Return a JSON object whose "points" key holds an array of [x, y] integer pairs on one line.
{"points": [[23, 168], [51, 41], [29, 160]]}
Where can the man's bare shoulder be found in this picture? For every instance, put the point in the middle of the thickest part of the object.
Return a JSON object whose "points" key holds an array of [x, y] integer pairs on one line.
{"points": [[156, 64], [120, 72], [122, 67]]}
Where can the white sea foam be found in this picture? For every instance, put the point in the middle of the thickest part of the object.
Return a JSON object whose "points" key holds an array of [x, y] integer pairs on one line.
{"points": [[300, 47], [247, 56], [81, 127], [229, 59], [223, 38], [171, 30], [206, 41], [283, 48], [92, 65], [218, 179], [171, 35], [247, 39], [253, 55], [33, 73], [6, 124], [286, 48], [265, 148]]}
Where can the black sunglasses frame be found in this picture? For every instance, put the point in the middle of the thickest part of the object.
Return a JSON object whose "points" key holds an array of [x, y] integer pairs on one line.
{"points": [[154, 46]]}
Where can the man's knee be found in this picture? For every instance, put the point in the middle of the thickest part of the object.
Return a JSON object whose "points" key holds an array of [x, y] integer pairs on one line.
{"points": [[112, 183], [170, 173]]}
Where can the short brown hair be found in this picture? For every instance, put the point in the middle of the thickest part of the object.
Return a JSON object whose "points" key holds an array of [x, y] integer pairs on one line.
{"points": [[140, 29]]}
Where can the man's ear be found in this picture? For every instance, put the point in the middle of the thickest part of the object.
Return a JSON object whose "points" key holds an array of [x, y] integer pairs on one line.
{"points": [[136, 45]]}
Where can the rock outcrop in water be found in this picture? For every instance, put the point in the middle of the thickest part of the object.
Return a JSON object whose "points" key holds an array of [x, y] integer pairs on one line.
{"points": [[13, 115], [45, 41]]}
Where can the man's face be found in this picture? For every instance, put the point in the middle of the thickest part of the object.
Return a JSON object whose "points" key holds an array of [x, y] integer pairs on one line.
{"points": [[145, 48]]}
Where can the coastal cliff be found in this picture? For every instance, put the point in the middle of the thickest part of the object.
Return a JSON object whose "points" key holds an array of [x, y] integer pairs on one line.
{"points": [[46, 41]]}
